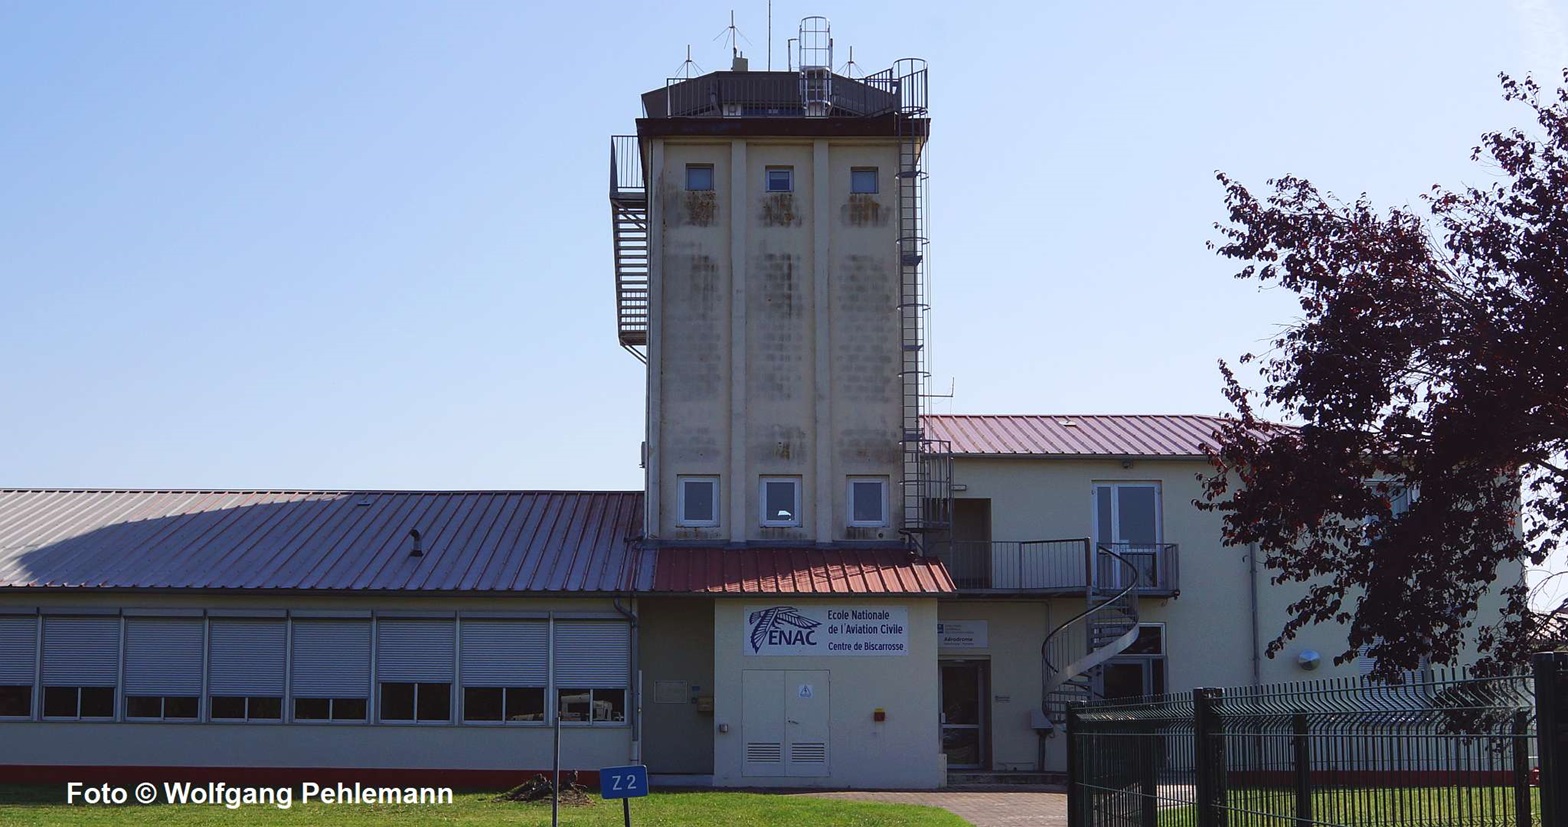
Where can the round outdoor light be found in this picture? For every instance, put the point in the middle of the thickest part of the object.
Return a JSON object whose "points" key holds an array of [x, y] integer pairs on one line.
{"points": [[1309, 660]]}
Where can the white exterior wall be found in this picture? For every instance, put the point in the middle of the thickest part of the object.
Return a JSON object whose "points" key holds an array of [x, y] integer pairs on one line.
{"points": [[902, 752], [774, 332], [437, 746], [1212, 637]]}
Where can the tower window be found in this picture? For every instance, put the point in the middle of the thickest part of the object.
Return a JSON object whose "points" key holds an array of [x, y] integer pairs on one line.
{"points": [[781, 501], [868, 501], [699, 501], [699, 177], [781, 179], [863, 180]]}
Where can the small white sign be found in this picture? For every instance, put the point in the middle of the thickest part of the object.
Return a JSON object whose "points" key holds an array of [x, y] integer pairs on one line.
{"points": [[805, 690], [962, 634]]}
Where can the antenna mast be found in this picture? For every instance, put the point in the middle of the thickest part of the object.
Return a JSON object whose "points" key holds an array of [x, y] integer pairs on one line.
{"points": [[733, 36], [685, 71]]}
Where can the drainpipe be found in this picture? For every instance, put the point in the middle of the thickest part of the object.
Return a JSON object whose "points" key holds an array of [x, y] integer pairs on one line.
{"points": [[634, 704], [1252, 588]]}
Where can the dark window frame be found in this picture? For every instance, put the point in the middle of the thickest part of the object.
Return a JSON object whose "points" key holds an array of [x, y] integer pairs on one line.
{"points": [[416, 712], [699, 169]]}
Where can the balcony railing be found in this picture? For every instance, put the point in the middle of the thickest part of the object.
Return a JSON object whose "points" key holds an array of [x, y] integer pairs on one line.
{"points": [[1156, 564], [1054, 566]]}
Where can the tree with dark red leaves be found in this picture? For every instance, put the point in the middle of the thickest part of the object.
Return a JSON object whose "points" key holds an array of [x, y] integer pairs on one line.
{"points": [[1427, 378]]}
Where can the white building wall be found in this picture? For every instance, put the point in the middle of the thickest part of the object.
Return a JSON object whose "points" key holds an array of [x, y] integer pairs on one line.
{"points": [[1212, 636], [901, 752]]}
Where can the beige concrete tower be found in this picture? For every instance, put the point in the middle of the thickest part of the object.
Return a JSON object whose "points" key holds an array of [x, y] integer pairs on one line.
{"points": [[769, 247]]}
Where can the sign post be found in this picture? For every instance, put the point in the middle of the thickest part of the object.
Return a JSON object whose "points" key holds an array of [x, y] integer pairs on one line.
{"points": [[625, 783]]}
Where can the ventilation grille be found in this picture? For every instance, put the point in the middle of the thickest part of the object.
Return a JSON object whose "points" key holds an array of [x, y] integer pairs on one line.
{"points": [[769, 752], [808, 752]]}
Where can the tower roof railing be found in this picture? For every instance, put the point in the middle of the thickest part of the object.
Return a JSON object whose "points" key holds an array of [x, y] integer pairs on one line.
{"points": [[897, 90]]}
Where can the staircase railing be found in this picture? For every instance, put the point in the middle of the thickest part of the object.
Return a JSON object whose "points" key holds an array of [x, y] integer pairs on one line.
{"points": [[629, 228], [1103, 630]]}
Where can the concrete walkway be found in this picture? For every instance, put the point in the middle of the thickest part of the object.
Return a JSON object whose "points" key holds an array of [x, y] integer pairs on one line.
{"points": [[987, 807]]}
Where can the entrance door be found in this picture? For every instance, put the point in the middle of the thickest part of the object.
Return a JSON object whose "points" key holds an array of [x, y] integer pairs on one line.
{"points": [[784, 722], [963, 714]]}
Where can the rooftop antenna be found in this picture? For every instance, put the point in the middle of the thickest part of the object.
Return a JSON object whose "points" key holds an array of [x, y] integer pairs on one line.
{"points": [[770, 35], [685, 71], [851, 69], [732, 37], [732, 34]]}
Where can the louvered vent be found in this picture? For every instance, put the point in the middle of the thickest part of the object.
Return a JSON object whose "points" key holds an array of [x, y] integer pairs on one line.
{"points": [[771, 752], [808, 752]]}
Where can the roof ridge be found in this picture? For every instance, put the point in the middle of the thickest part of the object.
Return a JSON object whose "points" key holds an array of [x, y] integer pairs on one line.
{"points": [[316, 491]]}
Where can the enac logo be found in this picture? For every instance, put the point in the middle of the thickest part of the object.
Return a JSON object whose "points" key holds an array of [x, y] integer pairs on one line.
{"points": [[781, 626]]}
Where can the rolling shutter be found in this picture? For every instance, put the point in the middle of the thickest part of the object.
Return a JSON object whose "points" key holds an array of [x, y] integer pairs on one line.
{"points": [[18, 649], [592, 654], [415, 651], [163, 656], [331, 659], [81, 651], [506, 652], [247, 656]]}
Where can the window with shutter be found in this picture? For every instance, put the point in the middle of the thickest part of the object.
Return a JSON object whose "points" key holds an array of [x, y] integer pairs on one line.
{"points": [[414, 663], [505, 668], [331, 669], [81, 666], [246, 660], [163, 667], [18, 665], [592, 662]]}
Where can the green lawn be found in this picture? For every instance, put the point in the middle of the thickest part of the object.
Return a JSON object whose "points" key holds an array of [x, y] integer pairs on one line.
{"points": [[45, 806], [1429, 807]]}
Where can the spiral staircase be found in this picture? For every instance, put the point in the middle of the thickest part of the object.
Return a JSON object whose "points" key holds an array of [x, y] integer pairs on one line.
{"points": [[1074, 651]]}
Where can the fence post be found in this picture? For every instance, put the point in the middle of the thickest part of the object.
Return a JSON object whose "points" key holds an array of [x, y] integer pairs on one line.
{"points": [[1208, 743], [1303, 751], [1521, 739], [1077, 798], [1148, 780], [1551, 730]]}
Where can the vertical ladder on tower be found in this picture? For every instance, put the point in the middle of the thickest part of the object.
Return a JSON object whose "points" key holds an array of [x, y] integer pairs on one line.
{"points": [[629, 227], [926, 481]]}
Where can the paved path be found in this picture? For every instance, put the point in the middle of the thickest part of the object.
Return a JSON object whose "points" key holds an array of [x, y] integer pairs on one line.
{"points": [[982, 808]]}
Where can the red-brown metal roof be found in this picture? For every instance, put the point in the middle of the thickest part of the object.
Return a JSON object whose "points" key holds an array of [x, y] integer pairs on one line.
{"points": [[473, 541], [1119, 435], [798, 571]]}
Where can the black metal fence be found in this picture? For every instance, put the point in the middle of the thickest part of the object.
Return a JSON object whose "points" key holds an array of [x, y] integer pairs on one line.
{"points": [[1444, 748]]}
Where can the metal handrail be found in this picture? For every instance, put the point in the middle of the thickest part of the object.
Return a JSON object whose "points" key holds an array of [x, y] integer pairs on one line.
{"points": [[1122, 606], [1164, 568], [1016, 565], [627, 177]]}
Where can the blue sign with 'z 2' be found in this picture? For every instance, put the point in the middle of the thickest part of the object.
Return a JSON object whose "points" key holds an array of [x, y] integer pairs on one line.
{"points": [[623, 782]]}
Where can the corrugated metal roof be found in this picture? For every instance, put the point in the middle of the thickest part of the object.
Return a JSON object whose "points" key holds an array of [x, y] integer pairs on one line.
{"points": [[1118, 435], [474, 541], [798, 571]]}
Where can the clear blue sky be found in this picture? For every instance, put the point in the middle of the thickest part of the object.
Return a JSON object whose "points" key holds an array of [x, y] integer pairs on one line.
{"points": [[366, 244]]}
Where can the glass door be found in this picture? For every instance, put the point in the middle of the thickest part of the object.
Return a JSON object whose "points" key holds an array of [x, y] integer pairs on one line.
{"points": [[1127, 521], [963, 714]]}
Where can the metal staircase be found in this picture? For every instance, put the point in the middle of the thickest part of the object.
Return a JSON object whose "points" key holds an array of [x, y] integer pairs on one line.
{"points": [[1074, 651], [629, 225]]}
